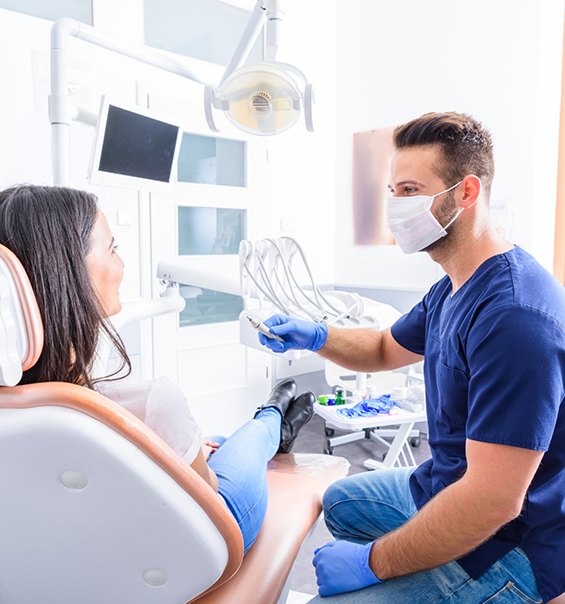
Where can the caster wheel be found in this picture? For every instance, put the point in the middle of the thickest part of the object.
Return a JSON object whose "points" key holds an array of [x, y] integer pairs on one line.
{"points": [[415, 442], [329, 431], [328, 450]]}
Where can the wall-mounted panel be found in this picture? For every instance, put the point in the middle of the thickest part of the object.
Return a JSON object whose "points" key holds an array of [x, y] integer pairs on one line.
{"points": [[206, 231], [52, 10], [212, 161], [203, 29]]}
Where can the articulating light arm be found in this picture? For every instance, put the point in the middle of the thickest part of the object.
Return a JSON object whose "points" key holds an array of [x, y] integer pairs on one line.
{"points": [[60, 106], [270, 11]]}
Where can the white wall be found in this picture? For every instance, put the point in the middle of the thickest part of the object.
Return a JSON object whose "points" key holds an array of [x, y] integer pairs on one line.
{"points": [[499, 61]]}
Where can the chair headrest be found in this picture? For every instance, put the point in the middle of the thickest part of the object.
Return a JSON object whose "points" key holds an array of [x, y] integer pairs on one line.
{"points": [[21, 328]]}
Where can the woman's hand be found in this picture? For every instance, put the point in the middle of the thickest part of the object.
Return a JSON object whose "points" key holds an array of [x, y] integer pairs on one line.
{"points": [[209, 447]]}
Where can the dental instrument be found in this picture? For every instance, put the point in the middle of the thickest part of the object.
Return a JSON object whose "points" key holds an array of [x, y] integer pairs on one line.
{"points": [[256, 324]]}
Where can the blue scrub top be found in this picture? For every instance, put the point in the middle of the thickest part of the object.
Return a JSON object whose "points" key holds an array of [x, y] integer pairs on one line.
{"points": [[494, 372]]}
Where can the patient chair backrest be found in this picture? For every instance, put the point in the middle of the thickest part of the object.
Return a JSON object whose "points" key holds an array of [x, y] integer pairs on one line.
{"points": [[21, 329], [94, 507]]}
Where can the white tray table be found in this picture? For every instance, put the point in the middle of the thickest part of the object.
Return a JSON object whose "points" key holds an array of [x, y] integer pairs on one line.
{"points": [[398, 449]]}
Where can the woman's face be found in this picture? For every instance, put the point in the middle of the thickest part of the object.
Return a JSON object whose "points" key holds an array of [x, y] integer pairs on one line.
{"points": [[106, 268]]}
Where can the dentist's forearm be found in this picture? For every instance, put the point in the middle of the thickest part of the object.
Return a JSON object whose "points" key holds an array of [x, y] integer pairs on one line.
{"points": [[452, 524], [366, 350]]}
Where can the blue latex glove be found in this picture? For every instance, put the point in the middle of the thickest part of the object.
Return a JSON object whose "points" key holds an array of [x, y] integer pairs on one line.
{"points": [[343, 566], [370, 407], [298, 334]]}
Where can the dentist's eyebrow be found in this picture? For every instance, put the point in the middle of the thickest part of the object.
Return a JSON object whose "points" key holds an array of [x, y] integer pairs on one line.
{"points": [[112, 243], [404, 182], [409, 182]]}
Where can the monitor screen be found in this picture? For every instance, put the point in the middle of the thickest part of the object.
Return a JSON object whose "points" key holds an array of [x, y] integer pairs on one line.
{"points": [[133, 148]]}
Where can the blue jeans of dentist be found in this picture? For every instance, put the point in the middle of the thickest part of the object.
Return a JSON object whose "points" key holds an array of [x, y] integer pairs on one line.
{"points": [[241, 467], [363, 507]]}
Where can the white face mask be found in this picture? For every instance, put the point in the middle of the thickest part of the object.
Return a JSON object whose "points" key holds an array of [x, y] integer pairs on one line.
{"points": [[411, 222]]}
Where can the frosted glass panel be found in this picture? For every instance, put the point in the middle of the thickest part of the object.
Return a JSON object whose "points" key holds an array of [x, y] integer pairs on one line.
{"points": [[211, 161], [52, 10], [203, 29], [205, 306], [205, 231]]}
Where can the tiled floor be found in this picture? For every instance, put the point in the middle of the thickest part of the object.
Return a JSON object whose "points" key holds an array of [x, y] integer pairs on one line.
{"points": [[312, 439]]}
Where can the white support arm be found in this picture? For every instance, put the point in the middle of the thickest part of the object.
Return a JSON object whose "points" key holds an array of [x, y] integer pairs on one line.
{"points": [[275, 21], [171, 301], [60, 107], [250, 33], [179, 271]]}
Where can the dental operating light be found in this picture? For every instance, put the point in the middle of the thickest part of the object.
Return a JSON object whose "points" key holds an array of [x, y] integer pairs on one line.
{"points": [[263, 98]]}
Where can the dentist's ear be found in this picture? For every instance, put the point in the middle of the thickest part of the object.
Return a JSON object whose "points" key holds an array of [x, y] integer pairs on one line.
{"points": [[471, 186]]}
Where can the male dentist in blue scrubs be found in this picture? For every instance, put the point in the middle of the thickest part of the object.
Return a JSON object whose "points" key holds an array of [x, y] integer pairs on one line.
{"points": [[484, 518]]}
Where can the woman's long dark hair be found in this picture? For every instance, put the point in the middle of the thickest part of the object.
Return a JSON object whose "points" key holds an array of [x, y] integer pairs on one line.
{"points": [[49, 229]]}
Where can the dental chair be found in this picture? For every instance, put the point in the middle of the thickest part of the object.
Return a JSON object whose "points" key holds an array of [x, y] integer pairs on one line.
{"points": [[96, 509]]}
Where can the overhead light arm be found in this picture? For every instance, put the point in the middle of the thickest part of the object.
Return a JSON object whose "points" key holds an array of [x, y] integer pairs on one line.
{"points": [[248, 37], [60, 106], [61, 110], [269, 11], [275, 23]]}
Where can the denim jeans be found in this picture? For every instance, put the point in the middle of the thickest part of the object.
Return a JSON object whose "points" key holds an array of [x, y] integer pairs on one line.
{"points": [[363, 507], [241, 467]]}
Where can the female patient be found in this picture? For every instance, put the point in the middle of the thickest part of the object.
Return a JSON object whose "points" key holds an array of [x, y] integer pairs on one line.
{"points": [[68, 252]]}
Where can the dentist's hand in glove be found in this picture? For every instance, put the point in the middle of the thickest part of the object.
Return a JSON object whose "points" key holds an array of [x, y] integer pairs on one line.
{"points": [[343, 566], [297, 334]]}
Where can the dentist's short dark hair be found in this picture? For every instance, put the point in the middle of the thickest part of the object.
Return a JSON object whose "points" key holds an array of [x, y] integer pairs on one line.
{"points": [[465, 145]]}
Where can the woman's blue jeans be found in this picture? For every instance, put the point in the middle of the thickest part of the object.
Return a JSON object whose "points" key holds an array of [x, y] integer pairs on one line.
{"points": [[241, 467], [363, 507]]}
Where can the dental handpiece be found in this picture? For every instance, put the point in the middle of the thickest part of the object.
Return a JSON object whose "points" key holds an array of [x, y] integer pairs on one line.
{"points": [[256, 324]]}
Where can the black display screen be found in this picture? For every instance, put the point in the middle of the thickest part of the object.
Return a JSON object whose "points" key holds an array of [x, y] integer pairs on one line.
{"points": [[137, 145]]}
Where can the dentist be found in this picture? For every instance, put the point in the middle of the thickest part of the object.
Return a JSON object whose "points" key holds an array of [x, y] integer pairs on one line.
{"points": [[484, 518]]}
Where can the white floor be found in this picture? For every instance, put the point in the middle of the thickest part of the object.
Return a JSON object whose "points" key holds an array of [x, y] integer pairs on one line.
{"points": [[296, 597]]}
